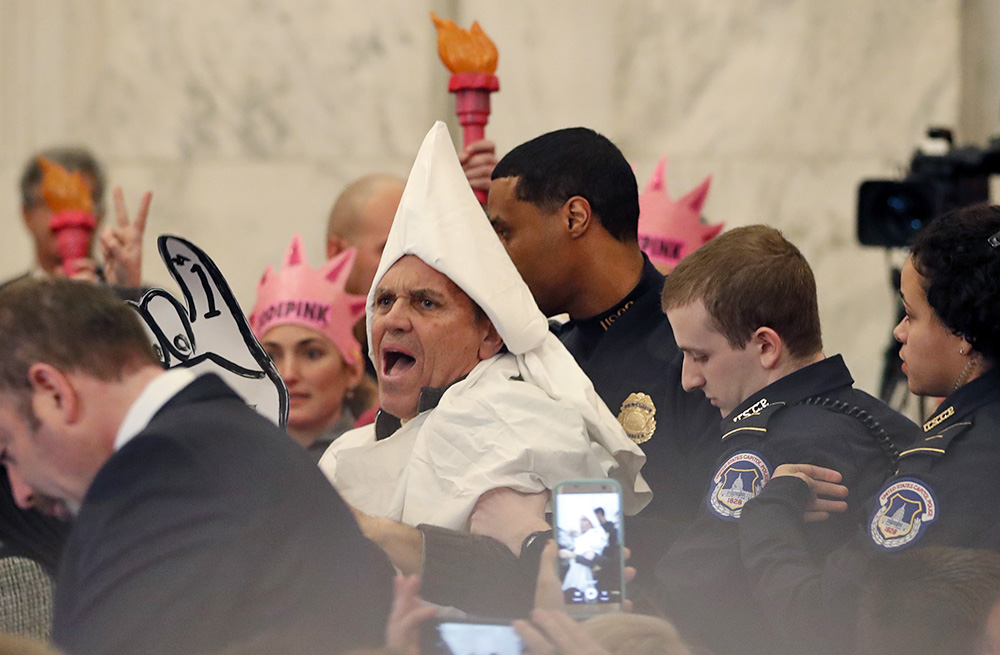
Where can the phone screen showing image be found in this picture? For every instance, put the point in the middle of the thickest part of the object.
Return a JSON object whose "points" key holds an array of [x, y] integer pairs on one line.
{"points": [[589, 533], [469, 637]]}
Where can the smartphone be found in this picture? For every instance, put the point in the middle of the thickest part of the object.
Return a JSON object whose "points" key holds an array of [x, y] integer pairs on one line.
{"points": [[589, 529], [469, 637]]}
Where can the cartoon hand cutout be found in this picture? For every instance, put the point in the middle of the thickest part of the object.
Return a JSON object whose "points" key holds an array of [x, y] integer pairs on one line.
{"points": [[209, 330]]}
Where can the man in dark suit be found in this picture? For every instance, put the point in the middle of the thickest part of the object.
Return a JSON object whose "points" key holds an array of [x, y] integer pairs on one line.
{"points": [[198, 522]]}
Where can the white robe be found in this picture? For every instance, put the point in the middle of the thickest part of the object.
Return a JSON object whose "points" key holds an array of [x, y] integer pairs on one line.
{"points": [[488, 431]]}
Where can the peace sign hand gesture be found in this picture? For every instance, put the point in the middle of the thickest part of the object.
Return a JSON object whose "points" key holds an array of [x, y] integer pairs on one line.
{"points": [[121, 244]]}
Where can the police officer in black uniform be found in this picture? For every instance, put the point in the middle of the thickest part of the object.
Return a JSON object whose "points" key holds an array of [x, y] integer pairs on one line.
{"points": [[630, 354], [566, 206], [939, 495], [744, 310]]}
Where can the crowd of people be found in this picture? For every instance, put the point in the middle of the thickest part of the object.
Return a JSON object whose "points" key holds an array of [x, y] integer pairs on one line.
{"points": [[446, 368]]}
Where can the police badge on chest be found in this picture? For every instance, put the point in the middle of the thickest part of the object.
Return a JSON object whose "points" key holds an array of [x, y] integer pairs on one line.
{"points": [[638, 417]]}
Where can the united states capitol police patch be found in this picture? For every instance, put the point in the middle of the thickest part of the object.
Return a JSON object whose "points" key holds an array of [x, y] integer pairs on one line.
{"points": [[906, 506], [737, 481], [638, 417]]}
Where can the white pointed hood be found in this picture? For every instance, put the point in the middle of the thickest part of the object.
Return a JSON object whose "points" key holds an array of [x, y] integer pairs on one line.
{"points": [[440, 221], [427, 460]]}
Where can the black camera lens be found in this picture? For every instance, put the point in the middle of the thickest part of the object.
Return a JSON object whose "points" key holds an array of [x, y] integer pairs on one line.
{"points": [[890, 213]]}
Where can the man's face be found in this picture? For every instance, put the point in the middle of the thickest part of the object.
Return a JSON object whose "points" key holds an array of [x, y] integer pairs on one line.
{"points": [[36, 219], [424, 334], [532, 238], [373, 230], [39, 464], [726, 375]]}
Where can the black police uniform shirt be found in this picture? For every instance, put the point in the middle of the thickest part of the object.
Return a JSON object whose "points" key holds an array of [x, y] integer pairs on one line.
{"points": [[630, 355], [811, 416], [937, 497], [941, 493]]}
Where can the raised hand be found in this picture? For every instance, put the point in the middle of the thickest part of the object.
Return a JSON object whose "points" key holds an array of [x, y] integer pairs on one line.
{"points": [[82, 269], [209, 330], [121, 243], [478, 161]]}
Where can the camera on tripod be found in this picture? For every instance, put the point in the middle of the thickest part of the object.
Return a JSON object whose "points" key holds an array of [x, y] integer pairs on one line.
{"points": [[941, 178]]}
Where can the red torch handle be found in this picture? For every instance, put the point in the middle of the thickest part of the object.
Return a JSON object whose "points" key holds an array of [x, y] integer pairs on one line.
{"points": [[73, 230], [472, 131], [472, 106]]}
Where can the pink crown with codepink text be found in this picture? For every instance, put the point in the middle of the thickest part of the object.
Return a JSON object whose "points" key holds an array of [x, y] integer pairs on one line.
{"points": [[670, 230], [313, 298]]}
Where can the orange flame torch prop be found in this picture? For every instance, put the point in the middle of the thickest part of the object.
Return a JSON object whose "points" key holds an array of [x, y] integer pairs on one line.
{"points": [[471, 56], [73, 222]]}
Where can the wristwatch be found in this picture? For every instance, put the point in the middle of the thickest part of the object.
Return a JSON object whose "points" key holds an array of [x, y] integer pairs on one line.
{"points": [[535, 540]]}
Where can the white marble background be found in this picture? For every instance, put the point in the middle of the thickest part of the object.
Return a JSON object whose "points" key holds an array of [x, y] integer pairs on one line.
{"points": [[247, 117]]}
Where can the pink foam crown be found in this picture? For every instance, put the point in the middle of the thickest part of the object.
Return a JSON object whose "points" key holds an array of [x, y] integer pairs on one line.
{"points": [[670, 230], [314, 298]]}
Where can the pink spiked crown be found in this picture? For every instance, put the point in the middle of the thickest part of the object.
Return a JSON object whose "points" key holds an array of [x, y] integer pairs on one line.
{"points": [[670, 230], [313, 298]]}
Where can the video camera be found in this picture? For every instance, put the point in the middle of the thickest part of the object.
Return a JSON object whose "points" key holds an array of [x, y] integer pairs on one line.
{"points": [[941, 178]]}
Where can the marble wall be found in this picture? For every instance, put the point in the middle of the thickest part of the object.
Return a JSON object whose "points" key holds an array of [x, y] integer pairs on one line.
{"points": [[247, 117]]}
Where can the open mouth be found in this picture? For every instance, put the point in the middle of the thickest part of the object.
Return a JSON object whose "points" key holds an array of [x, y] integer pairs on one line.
{"points": [[397, 362]]}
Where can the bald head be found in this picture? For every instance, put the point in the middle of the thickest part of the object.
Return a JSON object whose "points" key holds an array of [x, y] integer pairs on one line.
{"points": [[361, 218]]}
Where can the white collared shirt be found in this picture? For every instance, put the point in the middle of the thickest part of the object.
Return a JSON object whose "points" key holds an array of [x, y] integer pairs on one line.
{"points": [[156, 394]]}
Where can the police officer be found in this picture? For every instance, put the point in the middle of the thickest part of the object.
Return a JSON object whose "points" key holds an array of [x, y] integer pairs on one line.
{"points": [[950, 336], [744, 312], [566, 206]]}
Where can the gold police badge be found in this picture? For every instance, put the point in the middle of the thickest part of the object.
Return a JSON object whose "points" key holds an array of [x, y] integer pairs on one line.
{"points": [[638, 417]]}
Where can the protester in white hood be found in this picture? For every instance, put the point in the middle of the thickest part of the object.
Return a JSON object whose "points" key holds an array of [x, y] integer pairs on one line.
{"points": [[476, 393]]}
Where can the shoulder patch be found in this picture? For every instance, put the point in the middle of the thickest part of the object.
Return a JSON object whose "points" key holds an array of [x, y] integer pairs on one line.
{"points": [[736, 482], [905, 507]]}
